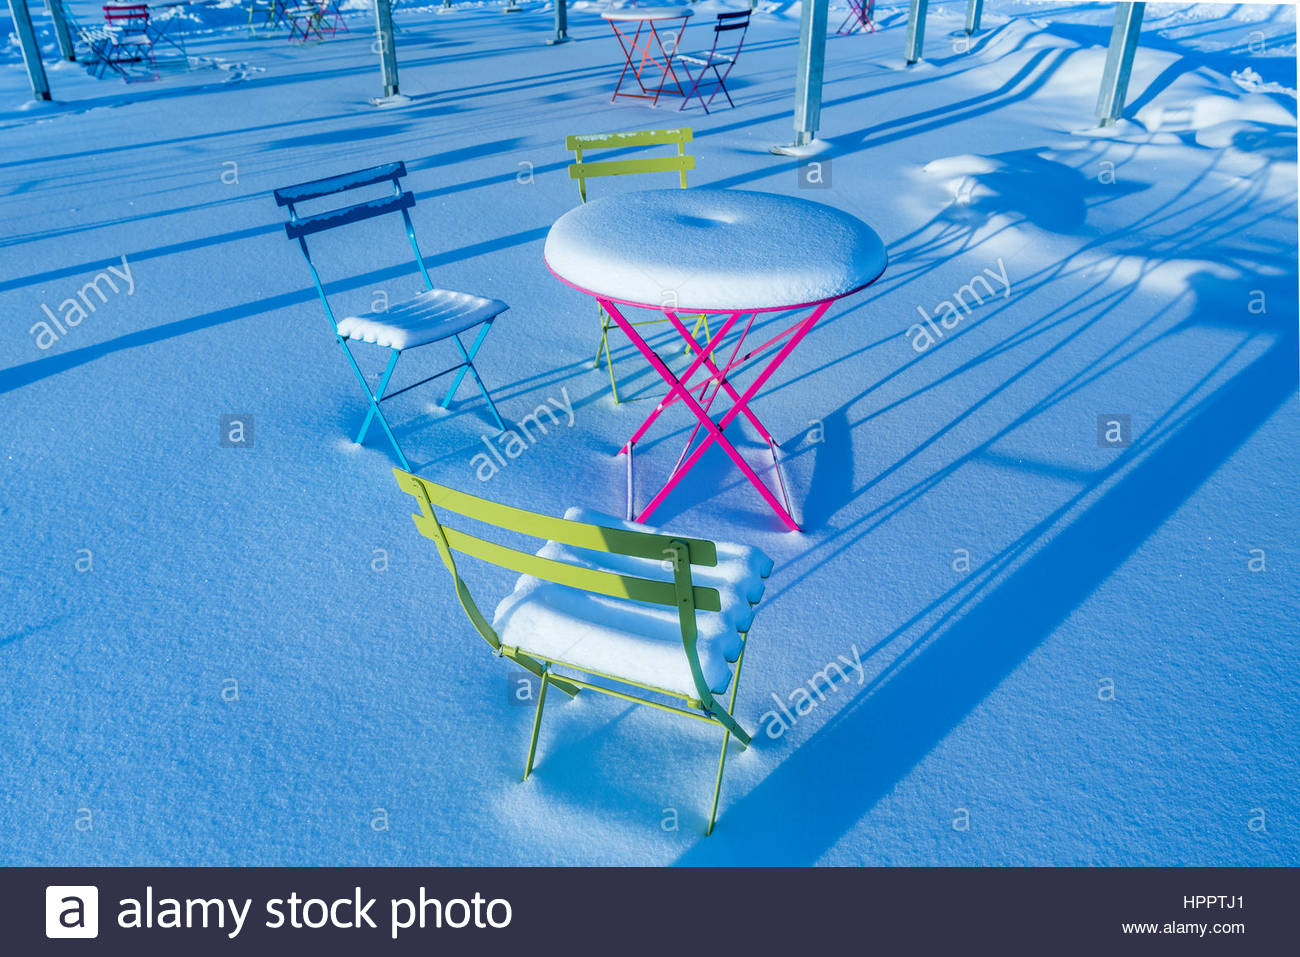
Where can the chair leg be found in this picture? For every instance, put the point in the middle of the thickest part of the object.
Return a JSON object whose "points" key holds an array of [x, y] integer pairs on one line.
{"points": [[609, 364], [721, 87], [717, 784], [695, 88], [375, 411], [603, 345], [492, 406], [467, 358], [726, 739], [537, 723], [375, 397], [701, 320]]}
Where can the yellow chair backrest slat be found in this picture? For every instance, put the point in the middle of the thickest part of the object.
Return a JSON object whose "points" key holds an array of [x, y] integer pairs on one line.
{"points": [[647, 545], [583, 169]]}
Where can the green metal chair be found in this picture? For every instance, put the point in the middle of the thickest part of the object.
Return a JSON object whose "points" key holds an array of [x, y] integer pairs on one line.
{"points": [[582, 170], [655, 619]]}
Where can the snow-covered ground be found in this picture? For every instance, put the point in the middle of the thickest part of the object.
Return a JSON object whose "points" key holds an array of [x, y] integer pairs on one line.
{"points": [[1069, 653]]}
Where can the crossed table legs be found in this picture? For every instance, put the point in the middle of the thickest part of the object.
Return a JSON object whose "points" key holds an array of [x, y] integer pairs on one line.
{"points": [[717, 377], [632, 45]]}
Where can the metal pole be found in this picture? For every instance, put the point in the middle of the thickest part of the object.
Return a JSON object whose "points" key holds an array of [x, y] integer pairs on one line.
{"points": [[31, 52], [561, 23], [973, 16], [66, 47], [1119, 62], [387, 48], [916, 29], [810, 69]]}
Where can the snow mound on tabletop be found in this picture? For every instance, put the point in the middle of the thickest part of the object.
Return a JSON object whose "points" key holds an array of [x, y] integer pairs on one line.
{"points": [[713, 249]]}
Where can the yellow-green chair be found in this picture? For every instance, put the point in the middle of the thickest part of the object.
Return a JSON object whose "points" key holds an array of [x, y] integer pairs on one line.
{"points": [[582, 170], [656, 619]]}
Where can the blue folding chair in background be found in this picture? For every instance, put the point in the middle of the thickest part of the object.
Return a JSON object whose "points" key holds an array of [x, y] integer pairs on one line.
{"points": [[432, 316]]}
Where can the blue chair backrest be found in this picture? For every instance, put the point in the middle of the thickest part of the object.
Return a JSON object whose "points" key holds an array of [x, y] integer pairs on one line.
{"points": [[300, 227], [315, 189]]}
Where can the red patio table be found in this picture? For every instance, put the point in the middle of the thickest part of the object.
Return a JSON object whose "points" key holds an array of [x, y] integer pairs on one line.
{"points": [[734, 253], [652, 24]]}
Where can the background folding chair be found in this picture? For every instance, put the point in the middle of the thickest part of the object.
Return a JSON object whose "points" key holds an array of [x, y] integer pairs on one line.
{"points": [[95, 46], [432, 316], [332, 17], [583, 170], [131, 41], [599, 607], [728, 37], [315, 16], [304, 20], [266, 15]]}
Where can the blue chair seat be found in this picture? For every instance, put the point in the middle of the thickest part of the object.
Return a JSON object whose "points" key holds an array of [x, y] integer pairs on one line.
{"points": [[428, 317]]}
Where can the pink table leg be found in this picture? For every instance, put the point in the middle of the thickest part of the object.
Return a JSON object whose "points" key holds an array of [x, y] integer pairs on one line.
{"points": [[715, 429]]}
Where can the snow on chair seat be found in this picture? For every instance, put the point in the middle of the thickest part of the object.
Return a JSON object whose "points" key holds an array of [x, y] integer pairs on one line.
{"points": [[609, 636], [704, 59], [644, 643], [613, 608], [428, 317]]}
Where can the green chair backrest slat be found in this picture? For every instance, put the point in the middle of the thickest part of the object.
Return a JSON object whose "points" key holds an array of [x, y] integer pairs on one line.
{"points": [[680, 593], [582, 169], [648, 164], [562, 573], [578, 534], [647, 545], [605, 141]]}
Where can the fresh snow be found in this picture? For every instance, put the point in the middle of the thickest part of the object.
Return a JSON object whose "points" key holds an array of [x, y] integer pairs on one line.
{"points": [[1068, 651], [607, 636], [430, 316]]}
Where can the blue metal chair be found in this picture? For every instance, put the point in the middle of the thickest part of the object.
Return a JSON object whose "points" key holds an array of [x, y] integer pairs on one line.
{"points": [[432, 316]]}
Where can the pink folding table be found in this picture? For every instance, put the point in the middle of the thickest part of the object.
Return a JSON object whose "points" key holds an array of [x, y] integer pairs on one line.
{"points": [[738, 254]]}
